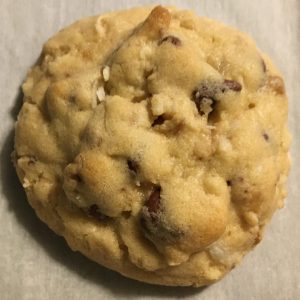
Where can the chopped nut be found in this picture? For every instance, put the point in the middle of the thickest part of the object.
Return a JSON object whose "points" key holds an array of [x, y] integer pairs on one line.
{"points": [[106, 73]]}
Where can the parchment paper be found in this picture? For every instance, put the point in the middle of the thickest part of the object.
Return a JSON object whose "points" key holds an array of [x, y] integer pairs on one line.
{"points": [[36, 264]]}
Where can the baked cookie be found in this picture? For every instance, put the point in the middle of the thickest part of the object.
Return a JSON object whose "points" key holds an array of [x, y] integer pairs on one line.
{"points": [[155, 142]]}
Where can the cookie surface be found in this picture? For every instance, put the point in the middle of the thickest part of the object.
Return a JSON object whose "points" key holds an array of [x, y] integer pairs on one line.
{"points": [[155, 142]]}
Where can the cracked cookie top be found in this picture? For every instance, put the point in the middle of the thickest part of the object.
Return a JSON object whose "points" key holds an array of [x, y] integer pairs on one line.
{"points": [[155, 142]]}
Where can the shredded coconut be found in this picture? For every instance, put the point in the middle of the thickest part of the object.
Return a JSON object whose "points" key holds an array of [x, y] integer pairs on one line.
{"points": [[26, 183], [105, 72], [224, 144], [100, 94]]}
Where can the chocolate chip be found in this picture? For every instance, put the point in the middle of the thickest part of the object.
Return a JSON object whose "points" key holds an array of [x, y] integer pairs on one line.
{"points": [[144, 224], [72, 99], [171, 39], [32, 160], [210, 91], [154, 225], [228, 182], [132, 165], [240, 179], [93, 211], [266, 136], [264, 66], [158, 121], [76, 177], [258, 239], [153, 202], [232, 85]]}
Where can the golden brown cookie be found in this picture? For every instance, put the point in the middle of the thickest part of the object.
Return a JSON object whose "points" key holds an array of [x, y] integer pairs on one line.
{"points": [[155, 142]]}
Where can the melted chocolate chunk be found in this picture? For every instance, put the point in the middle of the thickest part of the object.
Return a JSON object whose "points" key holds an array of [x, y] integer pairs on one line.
{"points": [[231, 85], [93, 211], [153, 202], [144, 224], [251, 105], [158, 121], [209, 91], [266, 136], [132, 165], [154, 225], [32, 160], [171, 39], [76, 177], [264, 66]]}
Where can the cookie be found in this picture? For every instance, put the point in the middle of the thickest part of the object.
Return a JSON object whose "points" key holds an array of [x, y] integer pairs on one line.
{"points": [[155, 142]]}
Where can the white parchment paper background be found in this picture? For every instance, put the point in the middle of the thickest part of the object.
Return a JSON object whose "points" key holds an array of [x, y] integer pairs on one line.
{"points": [[36, 264]]}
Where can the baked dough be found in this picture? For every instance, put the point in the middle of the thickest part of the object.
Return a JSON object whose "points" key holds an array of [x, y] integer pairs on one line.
{"points": [[155, 142]]}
